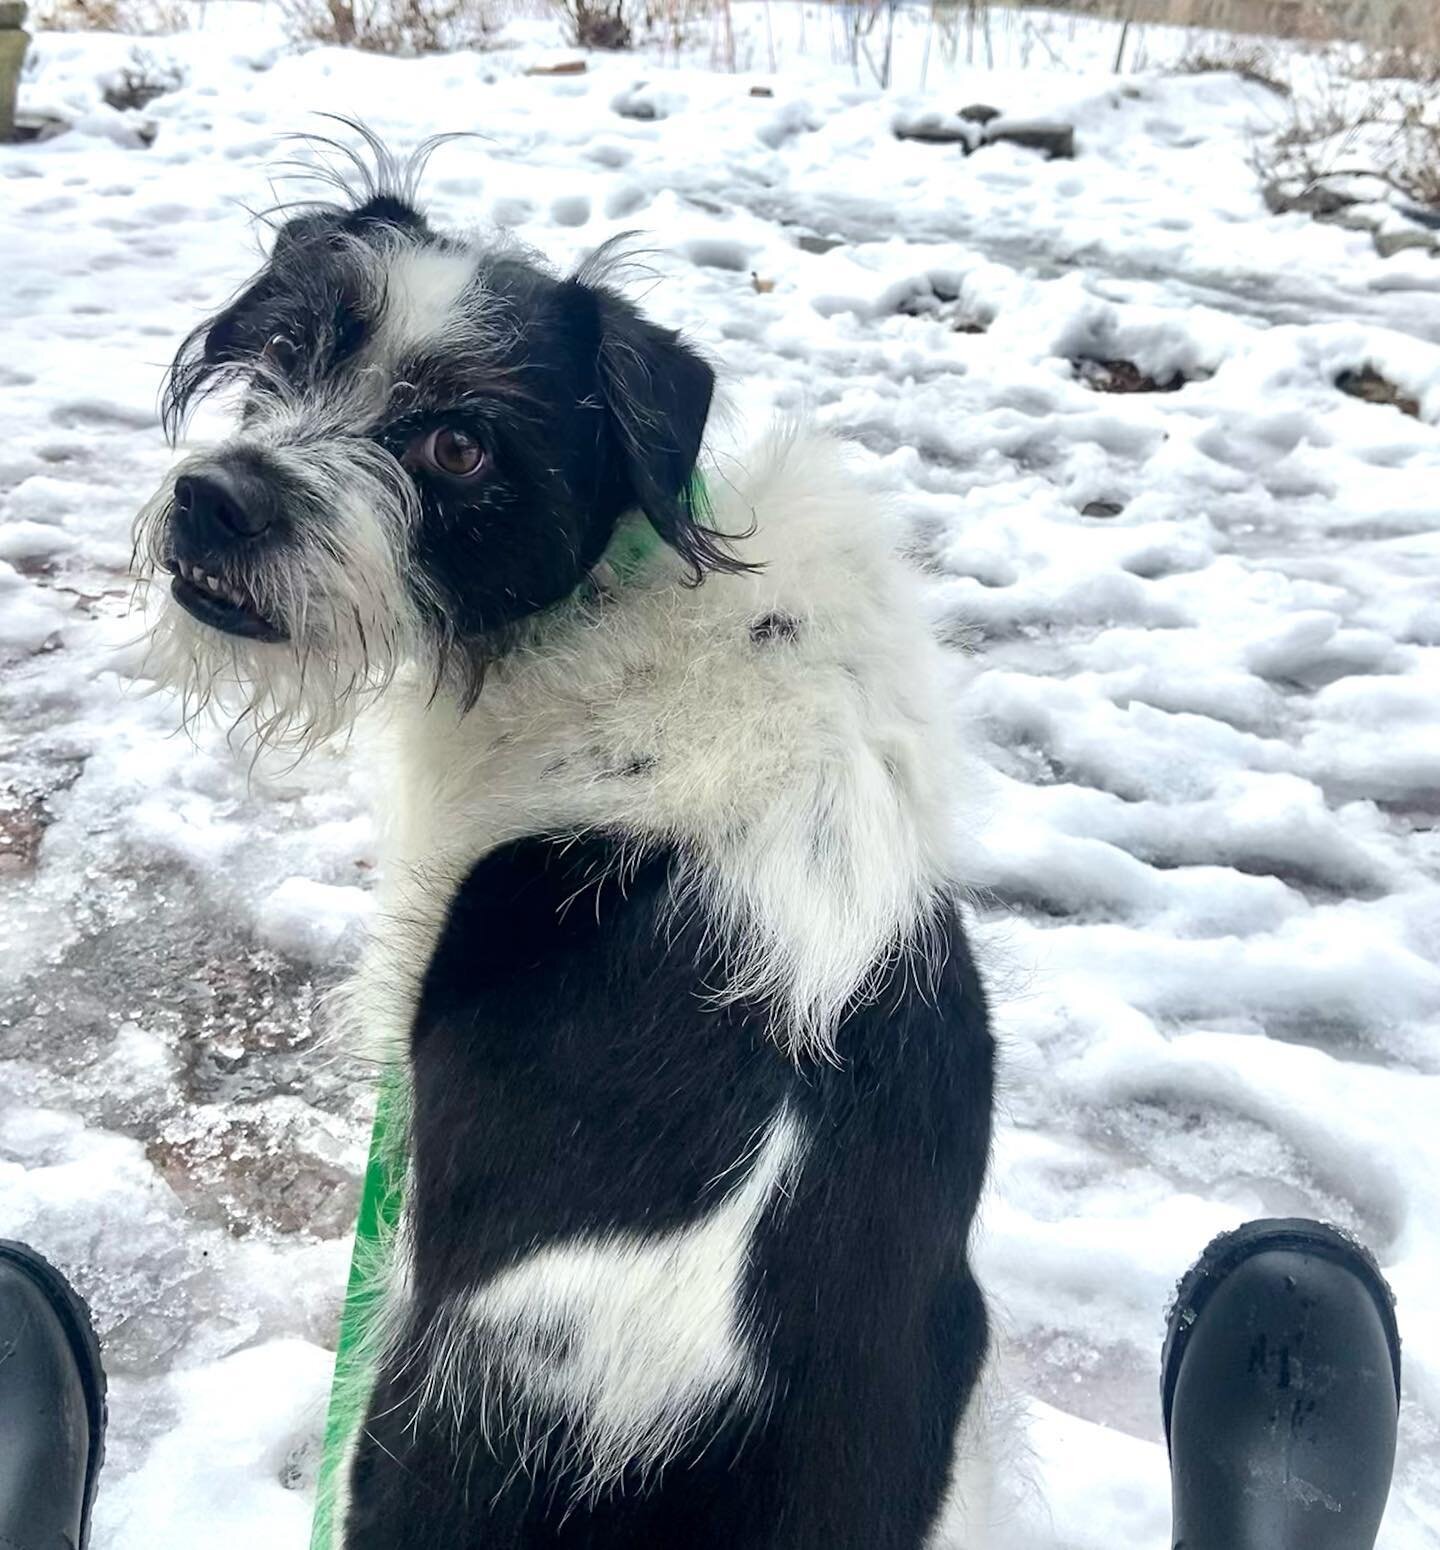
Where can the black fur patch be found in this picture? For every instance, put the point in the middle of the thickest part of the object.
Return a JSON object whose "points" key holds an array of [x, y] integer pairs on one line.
{"points": [[573, 1079], [775, 629]]}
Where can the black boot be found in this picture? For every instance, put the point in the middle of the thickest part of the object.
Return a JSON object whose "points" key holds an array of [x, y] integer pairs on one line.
{"points": [[1281, 1388], [52, 1406]]}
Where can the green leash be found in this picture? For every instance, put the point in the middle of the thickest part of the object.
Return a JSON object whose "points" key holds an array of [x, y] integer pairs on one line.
{"points": [[383, 1193], [381, 1199]]}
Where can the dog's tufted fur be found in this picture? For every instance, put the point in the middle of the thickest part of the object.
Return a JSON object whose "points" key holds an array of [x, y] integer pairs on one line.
{"points": [[700, 1065]]}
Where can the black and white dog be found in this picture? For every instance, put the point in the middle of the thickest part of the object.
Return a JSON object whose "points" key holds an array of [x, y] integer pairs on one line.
{"points": [[701, 1065]]}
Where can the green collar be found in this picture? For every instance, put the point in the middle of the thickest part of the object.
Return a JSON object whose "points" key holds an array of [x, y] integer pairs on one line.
{"points": [[631, 548], [635, 542]]}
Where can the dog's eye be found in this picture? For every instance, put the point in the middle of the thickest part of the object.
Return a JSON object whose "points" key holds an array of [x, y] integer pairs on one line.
{"points": [[454, 453], [279, 352]]}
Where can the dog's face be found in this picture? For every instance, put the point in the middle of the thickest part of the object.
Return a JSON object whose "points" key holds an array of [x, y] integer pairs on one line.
{"points": [[435, 443]]}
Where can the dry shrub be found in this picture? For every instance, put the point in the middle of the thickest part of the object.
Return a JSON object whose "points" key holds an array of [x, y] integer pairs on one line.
{"points": [[1249, 59], [677, 24], [1366, 100], [1400, 62], [870, 37], [667, 24], [405, 27], [1388, 130], [1290, 19], [143, 78], [79, 16], [603, 24], [145, 18], [1402, 37]]}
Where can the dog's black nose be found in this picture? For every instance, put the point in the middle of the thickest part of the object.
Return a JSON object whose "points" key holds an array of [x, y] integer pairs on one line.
{"points": [[219, 504]]}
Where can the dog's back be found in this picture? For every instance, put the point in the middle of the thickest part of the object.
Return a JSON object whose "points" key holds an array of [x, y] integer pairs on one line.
{"points": [[701, 1065]]}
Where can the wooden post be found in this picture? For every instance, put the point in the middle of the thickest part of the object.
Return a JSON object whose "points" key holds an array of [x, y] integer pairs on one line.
{"points": [[14, 40]]}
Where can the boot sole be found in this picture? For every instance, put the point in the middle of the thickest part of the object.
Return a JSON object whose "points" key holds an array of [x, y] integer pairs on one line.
{"points": [[74, 1313], [1231, 1249]]}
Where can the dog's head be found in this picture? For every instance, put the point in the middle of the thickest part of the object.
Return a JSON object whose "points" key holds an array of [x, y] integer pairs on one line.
{"points": [[435, 443]]}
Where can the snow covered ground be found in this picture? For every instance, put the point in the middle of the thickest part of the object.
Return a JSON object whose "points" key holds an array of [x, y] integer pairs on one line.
{"points": [[1205, 676]]}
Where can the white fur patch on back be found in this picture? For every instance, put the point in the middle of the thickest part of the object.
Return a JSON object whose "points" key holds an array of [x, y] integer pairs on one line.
{"points": [[781, 729], [630, 1342]]}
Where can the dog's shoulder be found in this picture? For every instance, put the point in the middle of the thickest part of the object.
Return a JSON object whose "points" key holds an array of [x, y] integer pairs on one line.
{"points": [[782, 730]]}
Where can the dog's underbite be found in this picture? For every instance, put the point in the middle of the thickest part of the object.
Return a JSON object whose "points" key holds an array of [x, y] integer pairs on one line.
{"points": [[671, 929]]}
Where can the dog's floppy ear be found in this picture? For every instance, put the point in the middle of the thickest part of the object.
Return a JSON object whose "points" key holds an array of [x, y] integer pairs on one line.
{"points": [[655, 391], [201, 361], [294, 246]]}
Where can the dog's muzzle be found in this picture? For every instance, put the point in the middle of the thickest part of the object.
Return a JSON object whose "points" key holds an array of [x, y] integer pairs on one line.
{"points": [[224, 519]]}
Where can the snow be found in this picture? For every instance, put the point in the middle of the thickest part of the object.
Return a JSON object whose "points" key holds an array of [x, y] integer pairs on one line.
{"points": [[1201, 645]]}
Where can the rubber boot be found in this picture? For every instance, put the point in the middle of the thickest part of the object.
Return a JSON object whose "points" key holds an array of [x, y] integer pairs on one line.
{"points": [[1281, 1391], [52, 1406]]}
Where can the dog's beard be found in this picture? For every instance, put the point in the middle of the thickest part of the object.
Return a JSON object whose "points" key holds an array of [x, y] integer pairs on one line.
{"points": [[339, 590]]}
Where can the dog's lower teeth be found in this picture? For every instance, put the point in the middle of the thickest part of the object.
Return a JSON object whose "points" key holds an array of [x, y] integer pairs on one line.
{"points": [[210, 584]]}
